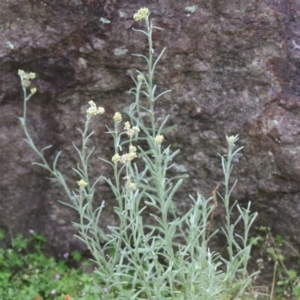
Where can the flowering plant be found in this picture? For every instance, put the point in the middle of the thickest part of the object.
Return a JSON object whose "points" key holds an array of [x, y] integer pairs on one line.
{"points": [[169, 258]]}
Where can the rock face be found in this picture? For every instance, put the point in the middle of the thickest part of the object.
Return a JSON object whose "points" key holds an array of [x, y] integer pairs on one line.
{"points": [[232, 66]]}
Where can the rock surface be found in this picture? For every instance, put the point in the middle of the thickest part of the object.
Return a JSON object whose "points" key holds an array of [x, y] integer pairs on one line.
{"points": [[232, 66]]}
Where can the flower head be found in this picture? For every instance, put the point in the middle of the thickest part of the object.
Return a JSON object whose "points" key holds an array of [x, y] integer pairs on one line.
{"points": [[141, 14], [66, 255], [159, 139], [31, 75], [33, 90], [81, 183], [116, 158], [67, 297], [117, 117], [130, 133], [135, 129], [232, 139], [140, 77], [26, 77], [127, 125], [128, 157], [26, 83], [131, 186], [131, 155], [31, 231], [132, 148], [21, 73], [94, 110]]}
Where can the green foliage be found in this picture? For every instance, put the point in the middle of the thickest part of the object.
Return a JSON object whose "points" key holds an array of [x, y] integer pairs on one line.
{"points": [[30, 274], [2, 234], [76, 255], [168, 258], [286, 281]]}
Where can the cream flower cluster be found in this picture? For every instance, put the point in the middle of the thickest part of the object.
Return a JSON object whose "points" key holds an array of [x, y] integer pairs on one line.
{"points": [[141, 14], [232, 139], [94, 110], [116, 158], [159, 139], [140, 77], [81, 183], [127, 157], [131, 131], [131, 186], [25, 79], [117, 117]]}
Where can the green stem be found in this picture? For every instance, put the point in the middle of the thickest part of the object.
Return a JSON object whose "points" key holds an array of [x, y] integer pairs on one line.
{"points": [[150, 77], [227, 172], [55, 173]]}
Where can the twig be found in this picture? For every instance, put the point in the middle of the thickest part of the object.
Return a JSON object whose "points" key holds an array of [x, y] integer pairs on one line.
{"points": [[274, 281], [215, 204]]}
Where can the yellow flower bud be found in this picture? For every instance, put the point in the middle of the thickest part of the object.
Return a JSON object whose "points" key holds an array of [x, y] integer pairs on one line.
{"points": [[131, 186], [94, 110], [33, 91], [117, 117], [127, 126], [82, 184], [158, 139], [135, 129], [141, 14], [116, 158], [132, 149]]}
